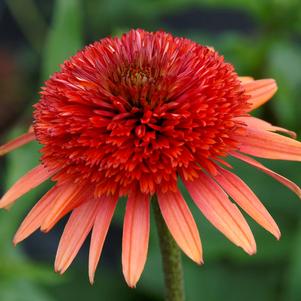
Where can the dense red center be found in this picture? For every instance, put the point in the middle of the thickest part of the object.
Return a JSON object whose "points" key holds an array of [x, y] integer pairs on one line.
{"points": [[139, 111]]}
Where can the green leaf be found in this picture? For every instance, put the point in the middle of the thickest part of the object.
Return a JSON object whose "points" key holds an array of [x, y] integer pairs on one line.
{"points": [[65, 35], [22, 290], [285, 63], [293, 288]]}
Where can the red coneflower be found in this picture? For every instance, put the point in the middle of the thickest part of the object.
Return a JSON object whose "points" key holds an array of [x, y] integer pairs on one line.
{"points": [[129, 117]]}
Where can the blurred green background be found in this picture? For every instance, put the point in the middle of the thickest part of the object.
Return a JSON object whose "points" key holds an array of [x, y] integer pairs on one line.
{"points": [[261, 38]]}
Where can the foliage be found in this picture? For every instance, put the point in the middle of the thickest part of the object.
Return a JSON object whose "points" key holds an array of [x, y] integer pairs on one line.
{"points": [[270, 48]]}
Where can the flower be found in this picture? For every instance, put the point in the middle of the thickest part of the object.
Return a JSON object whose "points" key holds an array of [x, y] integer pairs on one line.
{"points": [[131, 116]]}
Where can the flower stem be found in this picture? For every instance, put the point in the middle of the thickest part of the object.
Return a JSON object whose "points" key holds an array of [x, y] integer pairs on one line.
{"points": [[171, 259]]}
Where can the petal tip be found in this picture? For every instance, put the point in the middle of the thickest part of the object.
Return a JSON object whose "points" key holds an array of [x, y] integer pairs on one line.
{"points": [[91, 279], [7, 208], [252, 251], [44, 229], [131, 283], [200, 262], [250, 248], [4, 203], [58, 268], [197, 258], [16, 240], [275, 231]]}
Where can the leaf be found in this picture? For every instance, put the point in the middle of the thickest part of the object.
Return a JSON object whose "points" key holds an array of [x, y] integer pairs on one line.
{"points": [[293, 288], [285, 62], [64, 37], [22, 290]]}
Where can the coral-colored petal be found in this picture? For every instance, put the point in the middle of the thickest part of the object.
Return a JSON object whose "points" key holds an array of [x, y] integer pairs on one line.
{"points": [[181, 224], [289, 184], [245, 79], [260, 91], [221, 212], [32, 179], [36, 216], [269, 145], [76, 230], [31, 129], [70, 196], [16, 143], [259, 124], [247, 200], [102, 222], [135, 236]]}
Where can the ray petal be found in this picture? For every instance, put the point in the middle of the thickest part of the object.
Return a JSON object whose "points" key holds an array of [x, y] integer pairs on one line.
{"points": [[286, 182], [36, 216], [245, 79], [16, 143], [221, 212], [76, 230], [102, 222], [259, 124], [260, 91], [135, 236], [269, 145], [247, 200], [32, 179], [68, 198], [181, 224]]}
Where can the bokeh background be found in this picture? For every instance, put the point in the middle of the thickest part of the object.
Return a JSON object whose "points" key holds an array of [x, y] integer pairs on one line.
{"points": [[261, 38]]}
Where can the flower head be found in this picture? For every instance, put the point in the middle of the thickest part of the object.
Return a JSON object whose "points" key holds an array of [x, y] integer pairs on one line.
{"points": [[129, 117]]}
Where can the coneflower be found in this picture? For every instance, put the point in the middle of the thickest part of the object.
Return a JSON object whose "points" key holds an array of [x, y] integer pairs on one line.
{"points": [[131, 116]]}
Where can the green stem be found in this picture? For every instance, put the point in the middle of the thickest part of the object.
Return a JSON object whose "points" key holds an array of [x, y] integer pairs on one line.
{"points": [[171, 259]]}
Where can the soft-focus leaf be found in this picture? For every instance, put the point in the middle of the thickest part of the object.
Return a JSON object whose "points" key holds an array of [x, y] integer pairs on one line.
{"points": [[285, 62], [65, 35], [22, 290], [293, 288]]}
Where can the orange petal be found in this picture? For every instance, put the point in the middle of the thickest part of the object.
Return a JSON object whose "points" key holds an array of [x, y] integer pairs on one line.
{"points": [[259, 124], [70, 195], [103, 219], [16, 143], [36, 216], [247, 200], [245, 79], [289, 184], [269, 145], [76, 230], [221, 212], [260, 91], [32, 179], [31, 129], [135, 236], [181, 224]]}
